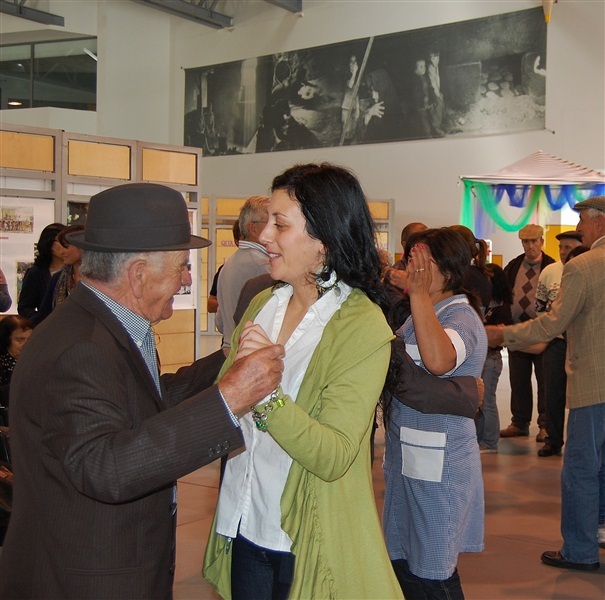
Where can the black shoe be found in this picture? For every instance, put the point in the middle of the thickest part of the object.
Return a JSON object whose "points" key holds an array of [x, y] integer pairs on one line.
{"points": [[548, 450], [553, 558]]}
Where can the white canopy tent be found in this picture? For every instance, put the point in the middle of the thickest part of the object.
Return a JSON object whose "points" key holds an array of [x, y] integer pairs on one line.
{"points": [[537, 181]]}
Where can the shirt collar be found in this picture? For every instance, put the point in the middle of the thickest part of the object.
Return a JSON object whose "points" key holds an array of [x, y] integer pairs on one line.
{"points": [[136, 326], [254, 245], [325, 307]]}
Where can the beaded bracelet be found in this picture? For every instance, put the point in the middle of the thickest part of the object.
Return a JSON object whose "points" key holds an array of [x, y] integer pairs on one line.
{"points": [[259, 415]]}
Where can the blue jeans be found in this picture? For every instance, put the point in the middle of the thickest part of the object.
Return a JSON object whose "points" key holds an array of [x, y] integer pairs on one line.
{"points": [[602, 490], [416, 588], [488, 421], [258, 573], [580, 483]]}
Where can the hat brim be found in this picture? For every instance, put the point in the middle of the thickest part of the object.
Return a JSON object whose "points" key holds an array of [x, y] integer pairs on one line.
{"points": [[569, 235], [77, 239]]}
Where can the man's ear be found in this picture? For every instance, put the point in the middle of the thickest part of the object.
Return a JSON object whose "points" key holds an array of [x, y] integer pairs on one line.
{"points": [[251, 231], [137, 276]]}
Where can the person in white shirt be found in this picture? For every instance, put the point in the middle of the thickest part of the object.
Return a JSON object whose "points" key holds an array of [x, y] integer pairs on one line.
{"points": [[297, 507]]}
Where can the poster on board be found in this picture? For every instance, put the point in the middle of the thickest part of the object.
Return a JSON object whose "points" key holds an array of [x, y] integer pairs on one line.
{"points": [[21, 222]]}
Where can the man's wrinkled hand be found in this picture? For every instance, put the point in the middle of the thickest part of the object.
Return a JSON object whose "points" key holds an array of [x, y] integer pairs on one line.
{"points": [[495, 335], [249, 379]]}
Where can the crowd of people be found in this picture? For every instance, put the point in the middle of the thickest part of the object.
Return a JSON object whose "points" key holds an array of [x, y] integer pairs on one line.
{"points": [[321, 334]]}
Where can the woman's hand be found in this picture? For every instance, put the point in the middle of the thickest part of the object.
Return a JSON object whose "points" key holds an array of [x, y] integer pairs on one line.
{"points": [[253, 338], [419, 270]]}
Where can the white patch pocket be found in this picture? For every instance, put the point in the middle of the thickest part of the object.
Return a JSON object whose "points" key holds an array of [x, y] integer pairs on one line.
{"points": [[422, 453]]}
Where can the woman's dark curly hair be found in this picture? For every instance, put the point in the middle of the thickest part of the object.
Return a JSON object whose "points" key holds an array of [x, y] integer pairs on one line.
{"points": [[44, 255], [337, 214]]}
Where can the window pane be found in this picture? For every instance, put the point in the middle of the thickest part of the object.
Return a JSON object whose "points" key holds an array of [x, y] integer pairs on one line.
{"points": [[15, 67], [65, 74]]}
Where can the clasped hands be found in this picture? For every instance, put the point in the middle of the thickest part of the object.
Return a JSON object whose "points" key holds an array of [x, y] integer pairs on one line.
{"points": [[255, 372]]}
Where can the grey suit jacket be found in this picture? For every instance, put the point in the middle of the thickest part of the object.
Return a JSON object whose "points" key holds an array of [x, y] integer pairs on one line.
{"points": [[96, 450]]}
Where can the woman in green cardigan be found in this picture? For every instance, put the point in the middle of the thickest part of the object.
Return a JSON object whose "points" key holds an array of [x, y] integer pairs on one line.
{"points": [[296, 515]]}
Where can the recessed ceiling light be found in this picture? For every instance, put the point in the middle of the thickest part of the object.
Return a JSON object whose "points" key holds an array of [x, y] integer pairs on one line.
{"points": [[15, 103]]}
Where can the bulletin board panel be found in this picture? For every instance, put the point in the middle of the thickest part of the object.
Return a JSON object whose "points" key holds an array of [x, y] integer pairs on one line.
{"points": [[50, 175], [380, 210], [95, 159], [225, 245], [169, 166], [229, 207], [27, 151]]}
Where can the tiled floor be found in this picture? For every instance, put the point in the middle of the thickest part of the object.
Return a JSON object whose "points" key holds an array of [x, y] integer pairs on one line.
{"points": [[522, 495]]}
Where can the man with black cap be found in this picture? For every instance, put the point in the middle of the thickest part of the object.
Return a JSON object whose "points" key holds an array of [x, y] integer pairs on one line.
{"points": [[522, 273], [98, 436], [578, 309], [553, 358]]}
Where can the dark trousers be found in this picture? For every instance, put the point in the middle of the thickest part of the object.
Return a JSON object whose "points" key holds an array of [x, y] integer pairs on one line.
{"points": [[520, 365], [416, 588], [258, 573], [555, 382]]}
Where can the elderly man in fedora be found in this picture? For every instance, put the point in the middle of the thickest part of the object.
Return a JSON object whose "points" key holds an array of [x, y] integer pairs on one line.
{"points": [[578, 309], [98, 436]]}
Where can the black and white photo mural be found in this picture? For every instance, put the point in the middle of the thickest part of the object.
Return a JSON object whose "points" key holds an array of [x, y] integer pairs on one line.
{"points": [[480, 77]]}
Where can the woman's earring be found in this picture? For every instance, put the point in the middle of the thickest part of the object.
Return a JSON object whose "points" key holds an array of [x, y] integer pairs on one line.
{"points": [[325, 280]]}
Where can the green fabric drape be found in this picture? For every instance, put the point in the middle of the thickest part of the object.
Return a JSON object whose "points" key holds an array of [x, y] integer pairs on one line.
{"points": [[482, 192]]}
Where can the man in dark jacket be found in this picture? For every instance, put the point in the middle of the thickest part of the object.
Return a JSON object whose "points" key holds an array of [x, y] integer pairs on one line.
{"points": [[523, 273], [99, 438]]}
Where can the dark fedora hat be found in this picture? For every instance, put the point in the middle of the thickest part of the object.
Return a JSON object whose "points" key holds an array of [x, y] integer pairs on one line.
{"points": [[573, 235], [137, 217]]}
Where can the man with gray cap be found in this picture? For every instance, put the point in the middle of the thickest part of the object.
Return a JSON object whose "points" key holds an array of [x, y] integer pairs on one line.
{"points": [[98, 436], [523, 272], [578, 309]]}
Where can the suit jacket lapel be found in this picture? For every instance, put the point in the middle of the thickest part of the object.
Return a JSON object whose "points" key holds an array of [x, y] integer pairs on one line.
{"points": [[91, 303]]}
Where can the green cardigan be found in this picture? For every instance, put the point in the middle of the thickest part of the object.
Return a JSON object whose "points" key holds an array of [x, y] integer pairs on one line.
{"points": [[328, 507]]}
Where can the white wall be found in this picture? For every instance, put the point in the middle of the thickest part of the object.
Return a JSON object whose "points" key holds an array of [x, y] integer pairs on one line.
{"points": [[143, 53]]}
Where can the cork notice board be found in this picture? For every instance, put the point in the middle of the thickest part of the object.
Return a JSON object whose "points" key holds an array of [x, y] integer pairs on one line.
{"points": [[27, 151]]}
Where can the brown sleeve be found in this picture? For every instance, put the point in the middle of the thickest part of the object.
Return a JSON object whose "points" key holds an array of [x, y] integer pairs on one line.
{"points": [[413, 386]]}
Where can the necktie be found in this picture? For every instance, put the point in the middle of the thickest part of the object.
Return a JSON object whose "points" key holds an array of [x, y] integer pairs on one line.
{"points": [[151, 357]]}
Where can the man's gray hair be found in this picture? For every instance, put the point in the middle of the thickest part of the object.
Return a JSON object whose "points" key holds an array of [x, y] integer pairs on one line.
{"points": [[592, 213], [108, 267], [254, 209]]}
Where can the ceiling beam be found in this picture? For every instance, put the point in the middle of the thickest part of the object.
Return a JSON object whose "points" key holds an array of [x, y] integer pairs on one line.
{"points": [[294, 6], [191, 11], [18, 9]]}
